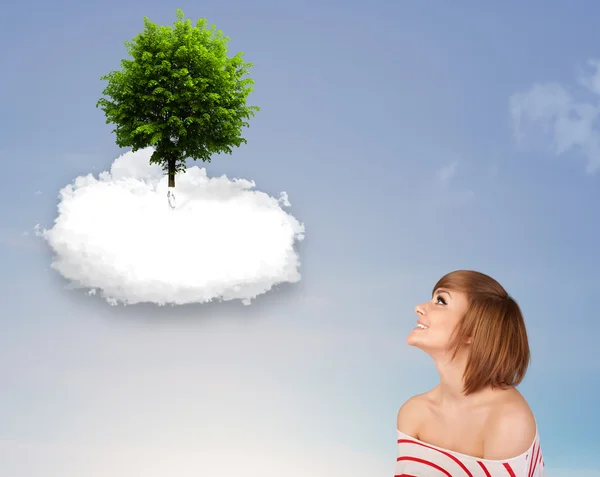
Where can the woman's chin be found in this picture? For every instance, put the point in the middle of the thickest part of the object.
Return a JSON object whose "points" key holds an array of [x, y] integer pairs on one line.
{"points": [[412, 339]]}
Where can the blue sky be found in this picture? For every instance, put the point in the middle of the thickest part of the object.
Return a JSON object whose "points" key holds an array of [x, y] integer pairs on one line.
{"points": [[390, 126]]}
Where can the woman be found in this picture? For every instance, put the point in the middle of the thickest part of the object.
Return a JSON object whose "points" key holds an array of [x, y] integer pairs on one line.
{"points": [[474, 423]]}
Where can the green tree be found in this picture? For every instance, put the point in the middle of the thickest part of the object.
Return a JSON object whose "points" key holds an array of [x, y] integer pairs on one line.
{"points": [[180, 93]]}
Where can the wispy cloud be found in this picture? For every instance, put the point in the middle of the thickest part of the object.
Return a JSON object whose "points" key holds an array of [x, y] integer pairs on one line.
{"points": [[450, 195], [446, 173], [569, 124], [592, 82], [11, 237]]}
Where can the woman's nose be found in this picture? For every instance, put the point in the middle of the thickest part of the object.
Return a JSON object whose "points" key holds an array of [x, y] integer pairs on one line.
{"points": [[419, 310]]}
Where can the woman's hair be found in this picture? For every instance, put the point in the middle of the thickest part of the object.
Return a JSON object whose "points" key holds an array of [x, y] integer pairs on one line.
{"points": [[499, 351]]}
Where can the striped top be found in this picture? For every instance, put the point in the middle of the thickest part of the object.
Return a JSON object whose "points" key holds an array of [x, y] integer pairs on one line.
{"points": [[418, 459]]}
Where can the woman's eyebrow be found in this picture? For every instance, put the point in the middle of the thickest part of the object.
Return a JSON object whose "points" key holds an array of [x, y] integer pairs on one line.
{"points": [[441, 290]]}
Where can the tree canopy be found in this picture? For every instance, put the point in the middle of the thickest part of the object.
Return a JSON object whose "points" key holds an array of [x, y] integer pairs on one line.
{"points": [[180, 93]]}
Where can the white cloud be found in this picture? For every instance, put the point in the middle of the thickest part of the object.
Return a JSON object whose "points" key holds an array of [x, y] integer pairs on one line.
{"points": [[223, 240], [568, 123], [447, 172], [446, 194], [592, 82]]}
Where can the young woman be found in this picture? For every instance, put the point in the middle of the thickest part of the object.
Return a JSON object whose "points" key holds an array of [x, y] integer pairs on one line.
{"points": [[474, 423]]}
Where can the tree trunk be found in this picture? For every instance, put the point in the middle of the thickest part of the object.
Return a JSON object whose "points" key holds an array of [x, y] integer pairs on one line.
{"points": [[171, 164]]}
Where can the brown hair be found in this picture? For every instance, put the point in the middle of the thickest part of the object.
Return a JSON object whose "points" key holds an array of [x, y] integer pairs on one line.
{"points": [[499, 350]]}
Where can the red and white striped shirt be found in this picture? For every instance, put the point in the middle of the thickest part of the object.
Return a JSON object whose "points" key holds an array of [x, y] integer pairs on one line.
{"points": [[418, 459]]}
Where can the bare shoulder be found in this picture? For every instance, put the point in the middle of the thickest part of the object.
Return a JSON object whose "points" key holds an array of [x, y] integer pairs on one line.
{"points": [[410, 415], [510, 429]]}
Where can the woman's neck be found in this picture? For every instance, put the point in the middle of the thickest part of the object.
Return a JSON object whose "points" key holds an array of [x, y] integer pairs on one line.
{"points": [[450, 392]]}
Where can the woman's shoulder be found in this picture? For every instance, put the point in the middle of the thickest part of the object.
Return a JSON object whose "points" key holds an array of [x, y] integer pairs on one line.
{"points": [[511, 404], [412, 413], [510, 429]]}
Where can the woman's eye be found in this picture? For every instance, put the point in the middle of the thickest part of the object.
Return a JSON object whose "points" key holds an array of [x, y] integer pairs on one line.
{"points": [[440, 301]]}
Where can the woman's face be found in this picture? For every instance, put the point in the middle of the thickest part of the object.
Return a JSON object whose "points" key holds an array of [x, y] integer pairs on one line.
{"points": [[436, 321]]}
